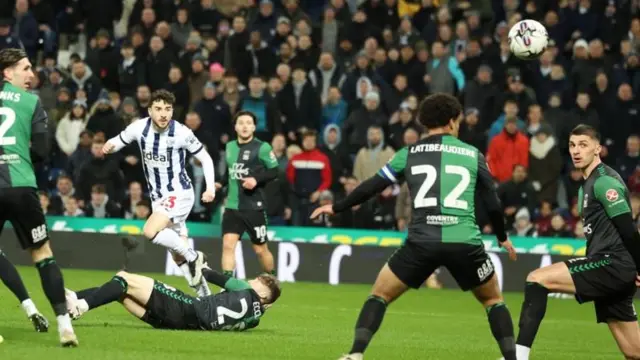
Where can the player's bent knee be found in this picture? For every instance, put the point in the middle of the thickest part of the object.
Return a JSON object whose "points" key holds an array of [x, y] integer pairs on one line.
{"points": [[536, 276], [149, 233]]}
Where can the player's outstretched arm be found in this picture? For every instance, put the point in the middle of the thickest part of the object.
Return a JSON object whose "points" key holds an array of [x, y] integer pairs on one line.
{"points": [[224, 281], [362, 193], [116, 143]]}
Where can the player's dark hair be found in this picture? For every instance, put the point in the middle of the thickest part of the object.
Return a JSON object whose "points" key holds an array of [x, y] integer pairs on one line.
{"points": [[162, 95], [587, 130], [9, 58], [99, 189], [273, 284], [245, 113], [438, 109]]}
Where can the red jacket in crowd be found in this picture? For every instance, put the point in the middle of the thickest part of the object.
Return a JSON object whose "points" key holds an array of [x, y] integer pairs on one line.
{"points": [[505, 152], [308, 172]]}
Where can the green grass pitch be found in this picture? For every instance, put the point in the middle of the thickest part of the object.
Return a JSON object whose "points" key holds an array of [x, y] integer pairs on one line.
{"points": [[310, 321]]}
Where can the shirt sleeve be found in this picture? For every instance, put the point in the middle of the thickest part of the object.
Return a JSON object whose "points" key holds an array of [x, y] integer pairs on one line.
{"points": [[486, 187], [40, 120], [267, 156], [234, 284], [192, 144], [612, 194], [394, 169]]}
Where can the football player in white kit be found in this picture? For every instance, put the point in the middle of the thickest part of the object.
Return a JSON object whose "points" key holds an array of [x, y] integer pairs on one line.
{"points": [[163, 143]]}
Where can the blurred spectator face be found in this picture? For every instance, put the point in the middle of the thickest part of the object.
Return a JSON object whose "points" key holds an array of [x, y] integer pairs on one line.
{"points": [[206, 4], [407, 53], [557, 72], [444, 33], [99, 137], [413, 102], [142, 211], [555, 101], [239, 24], [129, 109], [437, 49], [127, 52], [633, 145], [542, 137], [44, 201], [278, 143], [405, 115], [371, 104], [217, 75], [374, 136], [275, 85], [156, 44], [400, 82], [64, 185], [329, 14], [635, 26], [182, 16], [581, 52], [78, 112], [293, 41], [304, 42], [625, 93], [291, 5], [405, 25], [504, 48], [209, 92], [309, 142], [223, 28], [175, 75], [103, 41], [283, 28], [443, 15], [266, 9], [359, 17], [85, 139], [22, 6], [137, 39], [98, 197], [583, 101], [393, 54], [143, 93], [557, 222], [471, 119], [303, 28], [522, 222], [163, 30], [422, 55], [363, 86], [596, 49], [511, 127], [585, 4], [70, 205], [256, 85], [410, 136], [350, 185], [78, 69], [299, 76], [285, 50], [81, 95], [5, 30], [114, 100], [326, 61], [387, 36], [193, 121], [551, 18], [370, 45], [535, 114], [635, 205], [148, 17], [362, 62], [96, 149], [484, 75], [473, 21], [197, 66], [473, 48], [346, 45], [332, 136], [338, 4], [547, 58], [519, 174], [602, 81], [516, 86], [510, 109], [255, 39], [462, 31], [334, 95]]}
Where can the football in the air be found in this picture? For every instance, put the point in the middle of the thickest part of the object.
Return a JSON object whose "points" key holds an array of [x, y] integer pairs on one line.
{"points": [[528, 39]]}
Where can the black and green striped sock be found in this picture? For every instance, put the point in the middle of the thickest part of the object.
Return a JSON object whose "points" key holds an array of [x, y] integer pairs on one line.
{"points": [[52, 284], [227, 272], [502, 329]]}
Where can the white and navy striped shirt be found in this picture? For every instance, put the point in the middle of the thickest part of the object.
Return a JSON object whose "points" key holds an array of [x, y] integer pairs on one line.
{"points": [[163, 154]]}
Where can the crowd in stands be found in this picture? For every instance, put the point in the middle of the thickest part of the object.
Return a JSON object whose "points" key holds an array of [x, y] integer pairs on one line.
{"points": [[335, 86]]}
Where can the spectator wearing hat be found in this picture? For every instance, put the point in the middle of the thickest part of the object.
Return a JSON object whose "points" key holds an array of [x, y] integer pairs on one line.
{"points": [[192, 49], [128, 110], [158, 63], [517, 91], [205, 17], [82, 78], [103, 60], [341, 164], [104, 119], [71, 126], [283, 30], [355, 128], [215, 115], [181, 28], [26, 27], [522, 225], [7, 39], [301, 105], [506, 150], [265, 20], [131, 71], [545, 164], [470, 130], [373, 156]]}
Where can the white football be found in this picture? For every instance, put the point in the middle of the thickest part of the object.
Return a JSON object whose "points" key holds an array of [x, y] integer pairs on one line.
{"points": [[528, 39]]}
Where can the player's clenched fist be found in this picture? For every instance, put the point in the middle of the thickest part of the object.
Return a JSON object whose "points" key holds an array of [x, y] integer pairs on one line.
{"points": [[249, 183], [208, 196], [108, 148]]}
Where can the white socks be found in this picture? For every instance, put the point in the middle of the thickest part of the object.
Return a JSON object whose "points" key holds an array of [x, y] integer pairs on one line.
{"points": [[29, 307], [172, 241], [64, 323], [522, 352], [203, 288]]}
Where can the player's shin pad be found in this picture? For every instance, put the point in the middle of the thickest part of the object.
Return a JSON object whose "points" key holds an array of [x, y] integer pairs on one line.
{"points": [[534, 308]]}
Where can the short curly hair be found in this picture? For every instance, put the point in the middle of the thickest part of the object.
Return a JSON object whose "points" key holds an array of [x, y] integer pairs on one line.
{"points": [[10, 57], [162, 95], [438, 109]]}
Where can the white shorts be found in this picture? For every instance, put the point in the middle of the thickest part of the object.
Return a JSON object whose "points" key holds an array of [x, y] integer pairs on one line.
{"points": [[176, 205]]}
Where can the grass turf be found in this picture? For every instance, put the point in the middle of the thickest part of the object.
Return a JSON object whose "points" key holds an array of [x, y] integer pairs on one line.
{"points": [[310, 321]]}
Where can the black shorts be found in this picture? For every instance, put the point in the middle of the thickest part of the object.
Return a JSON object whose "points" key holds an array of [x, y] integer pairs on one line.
{"points": [[21, 207], [169, 308], [609, 282], [253, 222], [469, 264]]}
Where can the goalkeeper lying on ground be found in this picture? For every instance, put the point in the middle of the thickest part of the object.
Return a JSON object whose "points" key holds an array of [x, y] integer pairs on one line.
{"points": [[161, 306]]}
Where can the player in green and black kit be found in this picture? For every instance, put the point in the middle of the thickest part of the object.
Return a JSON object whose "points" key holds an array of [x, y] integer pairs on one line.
{"points": [[24, 138], [608, 274], [251, 163], [238, 308], [443, 175]]}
